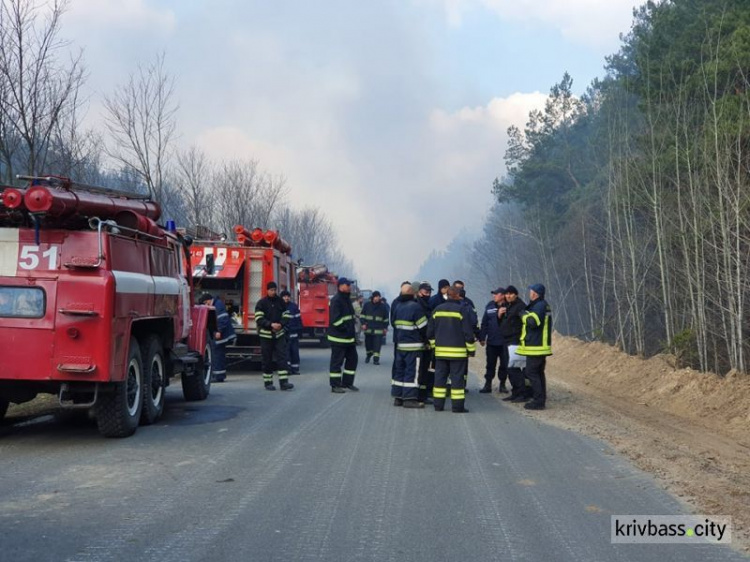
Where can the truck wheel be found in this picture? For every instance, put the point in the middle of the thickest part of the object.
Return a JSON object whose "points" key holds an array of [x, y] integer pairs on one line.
{"points": [[154, 380], [118, 413], [3, 408], [197, 386]]}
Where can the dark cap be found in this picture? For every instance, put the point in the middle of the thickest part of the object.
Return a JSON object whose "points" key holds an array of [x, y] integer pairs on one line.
{"points": [[285, 293], [499, 291], [205, 297], [343, 281], [271, 285], [376, 294], [425, 286], [511, 290], [538, 288], [443, 283]]}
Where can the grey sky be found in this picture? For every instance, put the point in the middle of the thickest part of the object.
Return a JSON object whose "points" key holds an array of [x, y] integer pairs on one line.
{"points": [[390, 115]]}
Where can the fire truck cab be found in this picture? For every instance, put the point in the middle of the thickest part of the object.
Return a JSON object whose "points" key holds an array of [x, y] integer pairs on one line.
{"points": [[96, 304], [237, 272]]}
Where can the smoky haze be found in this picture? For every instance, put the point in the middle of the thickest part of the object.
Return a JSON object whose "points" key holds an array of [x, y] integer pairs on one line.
{"points": [[391, 116]]}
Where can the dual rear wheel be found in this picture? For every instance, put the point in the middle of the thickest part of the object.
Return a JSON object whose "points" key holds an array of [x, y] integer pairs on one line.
{"points": [[139, 399]]}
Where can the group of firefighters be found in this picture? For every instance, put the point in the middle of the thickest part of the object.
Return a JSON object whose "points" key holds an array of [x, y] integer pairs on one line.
{"points": [[433, 335]]}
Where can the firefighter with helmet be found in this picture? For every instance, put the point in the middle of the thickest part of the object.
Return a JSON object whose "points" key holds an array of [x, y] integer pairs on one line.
{"points": [[342, 337], [223, 336], [272, 317]]}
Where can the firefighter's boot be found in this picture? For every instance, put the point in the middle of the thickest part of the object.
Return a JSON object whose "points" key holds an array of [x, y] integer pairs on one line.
{"points": [[457, 406], [286, 385]]}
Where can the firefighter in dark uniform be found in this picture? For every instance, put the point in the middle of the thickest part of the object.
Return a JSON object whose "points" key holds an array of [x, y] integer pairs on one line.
{"points": [[272, 317], [224, 336], [426, 367], [511, 327], [497, 351], [375, 325], [536, 344], [471, 312], [293, 328], [452, 335], [410, 331], [440, 297], [342, 337]]}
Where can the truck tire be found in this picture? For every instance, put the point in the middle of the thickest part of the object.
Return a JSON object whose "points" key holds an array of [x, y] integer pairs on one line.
{"points": [[118, 413], [197, 386], [3, 408], [154, 379]]}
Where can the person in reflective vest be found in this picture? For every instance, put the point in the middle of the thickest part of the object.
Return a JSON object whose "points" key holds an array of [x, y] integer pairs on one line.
{"points": [[410, 329], [375, 325], [536, 344], [342, 337], [293, 328], [272, 317], [223, 336], [451, 333]]}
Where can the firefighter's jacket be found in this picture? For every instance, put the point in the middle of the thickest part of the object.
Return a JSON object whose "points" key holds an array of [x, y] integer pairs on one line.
{"points": [[536, 335], [490, 329], [341, 327], [450, 331], [409, 324], [271, 311], [375, 317], [437, 299], [223, 323], [511, 324], [294, 327]]}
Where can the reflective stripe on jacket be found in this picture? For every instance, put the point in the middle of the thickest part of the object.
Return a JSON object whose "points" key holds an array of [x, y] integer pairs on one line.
{"points": [[450, 331], [375, 317], [341, 327], [410, 325], [536, 333], [271, 311]]}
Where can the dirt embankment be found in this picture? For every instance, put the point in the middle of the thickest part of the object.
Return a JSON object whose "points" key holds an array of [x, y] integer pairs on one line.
{"points": [[690, 429]]}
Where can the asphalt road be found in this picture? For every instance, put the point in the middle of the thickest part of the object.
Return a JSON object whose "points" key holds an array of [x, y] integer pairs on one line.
{"points": [[251, 475]]}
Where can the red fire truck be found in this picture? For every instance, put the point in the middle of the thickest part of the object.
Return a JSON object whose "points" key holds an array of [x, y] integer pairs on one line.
{"points": [[96, 304], [237, 272], [316, 287]]}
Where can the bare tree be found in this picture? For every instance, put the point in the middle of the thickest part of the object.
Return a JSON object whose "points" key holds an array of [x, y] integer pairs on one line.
{"points": [[243, 194], [39, 90], [193, 177], [140, 118]]}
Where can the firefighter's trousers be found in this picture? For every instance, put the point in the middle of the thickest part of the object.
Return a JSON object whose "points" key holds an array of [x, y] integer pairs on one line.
{"points": [[496, 354], [273, 355], [426, 374], [346, 356], [219, 360], [535, 367], [373, 344], [455, 370], [294, 353], [404, 384]]}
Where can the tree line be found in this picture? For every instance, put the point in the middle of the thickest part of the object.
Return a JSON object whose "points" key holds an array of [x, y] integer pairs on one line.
{"points": [[42, 77], [632, 201]]}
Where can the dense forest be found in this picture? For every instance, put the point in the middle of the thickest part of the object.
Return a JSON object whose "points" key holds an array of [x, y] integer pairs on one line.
{"points": [[43, 99], [632, 201]]}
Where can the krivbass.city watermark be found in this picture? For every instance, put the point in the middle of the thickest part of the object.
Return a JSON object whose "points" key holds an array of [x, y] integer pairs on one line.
{"points": [[675, 529]]}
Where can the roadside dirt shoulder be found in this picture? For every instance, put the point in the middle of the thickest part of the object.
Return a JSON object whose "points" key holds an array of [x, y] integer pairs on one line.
{"points": [[691, 430]]}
